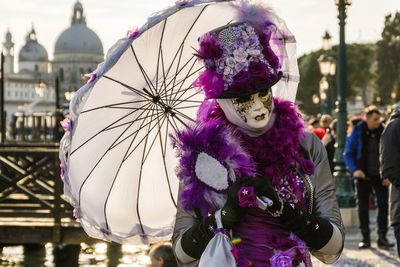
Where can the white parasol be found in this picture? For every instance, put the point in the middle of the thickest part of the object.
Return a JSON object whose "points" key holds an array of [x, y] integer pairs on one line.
{"points": [[119, 166]]}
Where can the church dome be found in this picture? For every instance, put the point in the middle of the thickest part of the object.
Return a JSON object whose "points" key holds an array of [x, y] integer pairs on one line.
{"points": [[32, 50], [78, 38]]}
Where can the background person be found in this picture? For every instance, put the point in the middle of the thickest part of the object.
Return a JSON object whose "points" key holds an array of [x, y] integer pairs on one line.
{"points": [[390, 167], [328, 139], [162, 255], [362, 159]]}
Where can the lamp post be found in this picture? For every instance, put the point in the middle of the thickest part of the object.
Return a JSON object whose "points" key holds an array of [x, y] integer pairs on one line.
{"points": [[327, 67], [323, 95], [57, 92], [344, 192], [69, 95], [41, 88], [326, 41], [2, 113]]}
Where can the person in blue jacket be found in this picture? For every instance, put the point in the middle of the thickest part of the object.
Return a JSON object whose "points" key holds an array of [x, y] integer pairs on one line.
{"points": [[361, 156]]}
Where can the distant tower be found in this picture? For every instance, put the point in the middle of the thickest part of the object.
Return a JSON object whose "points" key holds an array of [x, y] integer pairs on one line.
{"points": [[78, 51], [33, 56], [77, 15], [8, 50]]}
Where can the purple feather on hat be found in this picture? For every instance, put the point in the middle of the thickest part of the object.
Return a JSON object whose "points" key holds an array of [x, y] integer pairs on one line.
{"points": [[211, 82], [238, 58], [210, 47], [255, 14]]}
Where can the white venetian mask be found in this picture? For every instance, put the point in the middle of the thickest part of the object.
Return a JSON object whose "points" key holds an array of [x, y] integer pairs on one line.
{"points": [[255, 110]]}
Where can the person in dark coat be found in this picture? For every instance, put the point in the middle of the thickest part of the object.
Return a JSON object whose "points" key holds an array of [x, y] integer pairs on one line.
{"points": [[390, 167], [362, 159], [328, 140]]}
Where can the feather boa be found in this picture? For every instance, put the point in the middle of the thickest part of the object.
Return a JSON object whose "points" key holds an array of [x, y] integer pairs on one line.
{"points": [[219, 142], [274, 154], [280, 153]]}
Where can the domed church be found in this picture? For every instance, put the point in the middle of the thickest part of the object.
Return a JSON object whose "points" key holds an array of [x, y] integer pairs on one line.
{"points": [[31, 89], [33, 56], [78, 50]]}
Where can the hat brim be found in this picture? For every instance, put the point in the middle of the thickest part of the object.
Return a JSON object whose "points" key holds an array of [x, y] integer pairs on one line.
{"points": [[250, 91]]}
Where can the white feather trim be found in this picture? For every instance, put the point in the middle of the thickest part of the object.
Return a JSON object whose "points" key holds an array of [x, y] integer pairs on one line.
{"points": [[211, 172]]}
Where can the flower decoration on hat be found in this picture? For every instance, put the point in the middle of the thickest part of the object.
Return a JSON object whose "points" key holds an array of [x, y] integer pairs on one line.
{"points": [[238, 60]]}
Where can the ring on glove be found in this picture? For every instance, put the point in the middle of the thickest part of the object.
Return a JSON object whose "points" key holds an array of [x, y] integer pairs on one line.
{"points": [[277, 213], [246, 197]]}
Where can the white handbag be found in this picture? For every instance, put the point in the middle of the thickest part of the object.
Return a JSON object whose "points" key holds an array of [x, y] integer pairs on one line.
{"points": [[218, 251]]}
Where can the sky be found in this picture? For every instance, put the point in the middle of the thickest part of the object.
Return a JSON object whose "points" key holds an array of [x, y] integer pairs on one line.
{"points": [[307, 19]]}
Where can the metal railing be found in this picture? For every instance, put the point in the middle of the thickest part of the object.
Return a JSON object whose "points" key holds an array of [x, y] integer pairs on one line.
{"points": [[35, 127], [30, 184]]}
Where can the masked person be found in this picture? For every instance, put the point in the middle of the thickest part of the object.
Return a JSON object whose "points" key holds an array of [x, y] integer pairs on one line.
{"points": [[248, 144]]}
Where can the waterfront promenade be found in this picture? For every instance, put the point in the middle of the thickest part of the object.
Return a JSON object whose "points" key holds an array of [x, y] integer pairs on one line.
{"points": [[351, 256], [374, 257]]}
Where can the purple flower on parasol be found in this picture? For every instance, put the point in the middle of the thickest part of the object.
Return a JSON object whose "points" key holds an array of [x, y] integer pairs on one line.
{"points": [[132, 34], [76, 213], [62, 171], [66, 124], [181, 3], [92, 77]]}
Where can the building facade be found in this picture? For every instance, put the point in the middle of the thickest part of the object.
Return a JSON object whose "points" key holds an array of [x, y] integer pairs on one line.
{"points": [[78, 51], [32, 89]]}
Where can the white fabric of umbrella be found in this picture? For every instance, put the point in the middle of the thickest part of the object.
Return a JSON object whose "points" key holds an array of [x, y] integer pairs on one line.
{"points": [[119, 166]]}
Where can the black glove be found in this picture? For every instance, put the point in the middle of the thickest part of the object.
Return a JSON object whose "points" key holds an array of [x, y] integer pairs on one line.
{"points": [[232, 212], [266, 190], [313, 230], [195, 239]]}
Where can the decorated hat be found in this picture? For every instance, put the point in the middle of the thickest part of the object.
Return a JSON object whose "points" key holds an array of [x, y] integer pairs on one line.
{"points": [[239, 58]]}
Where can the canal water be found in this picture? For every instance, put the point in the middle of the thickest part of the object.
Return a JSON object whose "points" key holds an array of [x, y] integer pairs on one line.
{"points": [[95, 255]]}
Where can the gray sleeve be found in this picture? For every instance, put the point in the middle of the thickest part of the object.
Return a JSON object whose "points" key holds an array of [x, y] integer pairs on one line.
{"points": [[326, 205], [184, 220]]}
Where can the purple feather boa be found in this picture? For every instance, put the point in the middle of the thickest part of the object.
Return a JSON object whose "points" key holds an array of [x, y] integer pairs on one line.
{"points": [[215, 136], [280, 153], [217, 141], [275, 155]]}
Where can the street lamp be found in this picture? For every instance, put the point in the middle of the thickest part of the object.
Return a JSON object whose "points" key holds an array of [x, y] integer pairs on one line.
{"points": [[323, 92], [346, 2], [327, 67], [69, 95], [57, 90], [315, 99], [326, 41], [344, 191], [40, 88], [2, 113]]}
